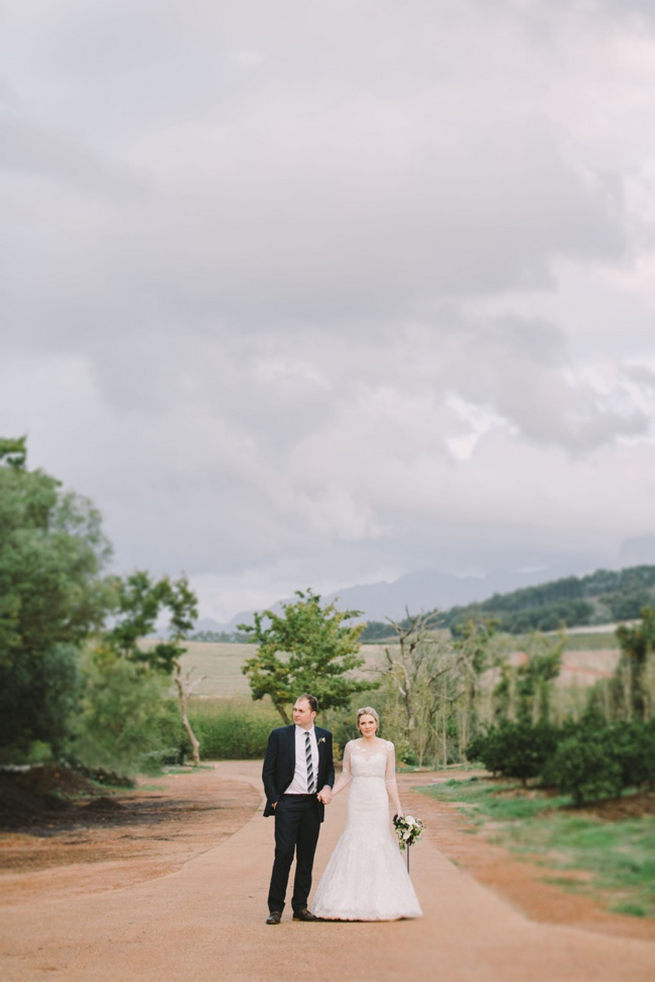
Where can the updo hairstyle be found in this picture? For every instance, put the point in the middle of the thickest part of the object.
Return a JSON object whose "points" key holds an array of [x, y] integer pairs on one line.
{"points": [[367, 711]]}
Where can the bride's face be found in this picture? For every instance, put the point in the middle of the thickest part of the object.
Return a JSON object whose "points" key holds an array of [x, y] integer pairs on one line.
{"points": [[367, 725]]}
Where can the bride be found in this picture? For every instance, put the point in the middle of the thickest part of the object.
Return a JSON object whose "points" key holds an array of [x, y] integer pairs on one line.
{"points": [[365, 878]]}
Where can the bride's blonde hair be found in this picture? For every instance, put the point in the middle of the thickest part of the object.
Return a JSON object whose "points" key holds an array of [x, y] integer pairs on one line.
{"points": [[367, 711]]}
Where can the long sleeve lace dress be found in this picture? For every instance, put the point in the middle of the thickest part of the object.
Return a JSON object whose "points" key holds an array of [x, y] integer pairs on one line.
{"points": [[365, 878]]}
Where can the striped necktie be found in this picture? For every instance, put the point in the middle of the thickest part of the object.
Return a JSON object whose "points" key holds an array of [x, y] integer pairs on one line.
{"points": [[311, 787]]}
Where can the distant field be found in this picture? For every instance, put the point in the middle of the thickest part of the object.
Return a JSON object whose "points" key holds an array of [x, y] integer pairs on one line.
{"points": [[221, 663], [589, 640]]}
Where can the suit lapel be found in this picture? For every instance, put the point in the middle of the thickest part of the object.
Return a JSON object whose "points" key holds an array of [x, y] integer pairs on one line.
{"points": [[292, 746], [321, 747]]}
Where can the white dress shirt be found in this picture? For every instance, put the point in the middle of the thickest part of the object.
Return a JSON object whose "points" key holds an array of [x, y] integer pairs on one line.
{"points": [[299, 783]]}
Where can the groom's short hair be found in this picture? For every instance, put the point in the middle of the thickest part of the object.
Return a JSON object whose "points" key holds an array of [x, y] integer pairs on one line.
{"points": [[312, 700]]}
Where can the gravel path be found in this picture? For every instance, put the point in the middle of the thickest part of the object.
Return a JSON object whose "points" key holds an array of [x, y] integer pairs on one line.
{"points": [[204, 920]]}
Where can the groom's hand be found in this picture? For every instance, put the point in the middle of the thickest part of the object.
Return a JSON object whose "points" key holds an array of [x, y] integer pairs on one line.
{"points": [[325, 795]]}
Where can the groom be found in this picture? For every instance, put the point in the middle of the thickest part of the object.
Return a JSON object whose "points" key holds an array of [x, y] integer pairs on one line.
{"points": [[298, 775]]}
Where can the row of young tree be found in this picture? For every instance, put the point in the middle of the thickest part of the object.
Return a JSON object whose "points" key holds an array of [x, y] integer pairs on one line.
{"points": [[76, 681], [448, 699], [588, 758]]}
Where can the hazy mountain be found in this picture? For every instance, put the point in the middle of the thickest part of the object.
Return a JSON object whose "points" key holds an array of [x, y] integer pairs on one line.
{"points": [[433, 590], [419, 591], [430, 589]]}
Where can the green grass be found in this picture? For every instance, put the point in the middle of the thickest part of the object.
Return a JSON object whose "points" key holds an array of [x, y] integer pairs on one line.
{"points": [[232, 729], [617, 857], [188, 769]]}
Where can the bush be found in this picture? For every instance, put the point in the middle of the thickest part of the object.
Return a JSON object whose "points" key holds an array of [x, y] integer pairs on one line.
{"points": [[514, 748], [46, 687], [633, 745], [585, 767], [232, 730], [125, 721], [486, 748]]}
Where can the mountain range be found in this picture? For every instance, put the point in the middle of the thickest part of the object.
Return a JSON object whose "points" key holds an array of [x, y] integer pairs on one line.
{"points": [[427, 590]]}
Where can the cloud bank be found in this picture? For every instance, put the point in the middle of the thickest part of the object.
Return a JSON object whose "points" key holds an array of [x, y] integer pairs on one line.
{"points": [[322, 294]]}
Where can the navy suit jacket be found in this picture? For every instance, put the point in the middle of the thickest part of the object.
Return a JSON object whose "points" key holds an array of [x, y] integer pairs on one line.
{"points": [[280, 764]]}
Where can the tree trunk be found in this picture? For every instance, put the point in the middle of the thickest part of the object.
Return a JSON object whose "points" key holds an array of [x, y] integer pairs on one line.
{"points": [[193, 739], [184, 689]]}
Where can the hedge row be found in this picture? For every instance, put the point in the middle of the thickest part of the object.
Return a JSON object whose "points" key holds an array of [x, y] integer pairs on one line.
{"points": [[590, 759], [232, 731]]}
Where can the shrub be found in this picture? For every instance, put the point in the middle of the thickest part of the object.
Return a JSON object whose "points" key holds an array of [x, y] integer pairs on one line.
{"points": [[515, 748], [125, 721], [232, 730], [633, 745], [584, 767]]}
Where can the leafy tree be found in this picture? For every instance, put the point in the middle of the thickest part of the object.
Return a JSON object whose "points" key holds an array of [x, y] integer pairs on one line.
{"points": [[307, 648], [52, 597], [125, 718], [585, 766], [515, 748], [628, 606], [633, 744], [138, 604]]}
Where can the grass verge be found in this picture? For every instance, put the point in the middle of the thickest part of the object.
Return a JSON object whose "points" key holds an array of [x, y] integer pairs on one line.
{"points": [[611, 860]]}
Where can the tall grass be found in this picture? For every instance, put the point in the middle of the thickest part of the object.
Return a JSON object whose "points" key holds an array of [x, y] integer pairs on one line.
{"points": [[232, 729]]}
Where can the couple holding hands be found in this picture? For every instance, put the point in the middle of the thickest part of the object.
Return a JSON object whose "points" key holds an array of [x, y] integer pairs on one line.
{"points": [[365, 878]]}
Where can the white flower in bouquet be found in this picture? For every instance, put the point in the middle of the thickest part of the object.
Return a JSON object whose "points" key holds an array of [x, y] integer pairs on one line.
{"points": [[408, 829]]}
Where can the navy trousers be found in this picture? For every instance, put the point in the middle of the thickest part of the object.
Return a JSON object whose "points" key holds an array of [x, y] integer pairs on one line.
{"points": [[297, 825]]}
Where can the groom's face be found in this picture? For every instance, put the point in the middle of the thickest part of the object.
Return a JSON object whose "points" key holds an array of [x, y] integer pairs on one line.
{"points": [[303, 714]]}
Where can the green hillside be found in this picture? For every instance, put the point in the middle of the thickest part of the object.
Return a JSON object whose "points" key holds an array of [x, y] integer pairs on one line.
{"points": [[603, 597]]}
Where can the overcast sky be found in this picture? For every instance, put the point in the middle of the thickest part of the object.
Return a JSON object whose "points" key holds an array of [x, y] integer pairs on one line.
{"points": [[313, 294]]}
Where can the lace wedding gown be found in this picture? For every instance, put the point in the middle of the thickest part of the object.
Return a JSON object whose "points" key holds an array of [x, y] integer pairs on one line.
{"points": [[366, 878]]}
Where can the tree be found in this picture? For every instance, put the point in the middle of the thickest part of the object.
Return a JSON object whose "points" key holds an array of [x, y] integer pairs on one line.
{"points": [[636, 664], [125, 719], [308, 648], [138, 605], [434, 684], [413, 665], [52, 598], [515, 748], [586, 768], [524, 691]]}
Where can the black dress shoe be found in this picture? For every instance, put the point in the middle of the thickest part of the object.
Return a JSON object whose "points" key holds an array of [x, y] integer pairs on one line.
{"points": [[304, 915], [274, 917]]}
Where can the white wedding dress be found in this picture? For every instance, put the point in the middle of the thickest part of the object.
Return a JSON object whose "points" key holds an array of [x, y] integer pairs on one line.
{"points": [[366, 878]]}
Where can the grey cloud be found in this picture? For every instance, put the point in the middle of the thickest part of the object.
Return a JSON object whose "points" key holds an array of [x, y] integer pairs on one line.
{"points": [[522, 368], [641, 374], [33, 150], [284, 287]]}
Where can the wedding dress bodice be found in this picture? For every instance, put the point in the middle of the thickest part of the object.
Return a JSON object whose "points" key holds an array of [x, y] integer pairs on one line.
{"points": [[365, 764]]}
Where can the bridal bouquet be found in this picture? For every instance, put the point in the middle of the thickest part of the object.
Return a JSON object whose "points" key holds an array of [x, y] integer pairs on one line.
{"points": [[408, 829]]}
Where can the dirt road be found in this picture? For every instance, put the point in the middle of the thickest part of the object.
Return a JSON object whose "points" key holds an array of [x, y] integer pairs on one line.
{"points": [[202, 918]]}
